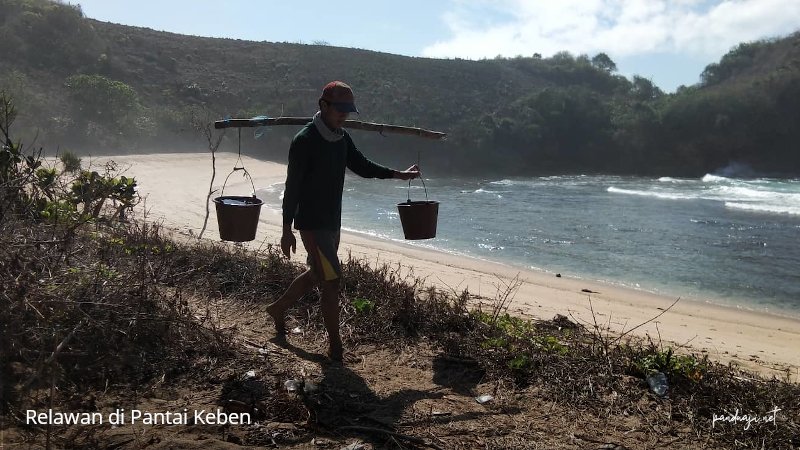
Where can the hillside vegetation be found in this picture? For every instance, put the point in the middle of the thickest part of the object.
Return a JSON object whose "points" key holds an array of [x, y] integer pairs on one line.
{"points": [[100, 87]]}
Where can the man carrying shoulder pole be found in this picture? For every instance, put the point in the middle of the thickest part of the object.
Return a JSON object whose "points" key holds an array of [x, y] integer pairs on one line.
{"points": [[312, 201]]}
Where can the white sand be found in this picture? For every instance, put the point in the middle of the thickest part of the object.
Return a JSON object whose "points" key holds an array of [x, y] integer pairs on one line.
{"points": [[175, 187]]}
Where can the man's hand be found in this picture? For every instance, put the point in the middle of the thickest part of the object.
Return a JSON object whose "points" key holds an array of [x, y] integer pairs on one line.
{"points": [[408, 174], [288, 242]]}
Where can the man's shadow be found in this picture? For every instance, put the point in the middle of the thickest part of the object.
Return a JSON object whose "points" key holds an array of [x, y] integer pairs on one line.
{"points": [[342, 403], [460, 375]]}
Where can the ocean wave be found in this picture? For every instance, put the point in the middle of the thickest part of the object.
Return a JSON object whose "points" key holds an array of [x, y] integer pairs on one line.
{"points": [[775, 209], [274, 187], [516, 183], [565, 180], [662, 195], [780, 184], [705, 221], [674, 180], [557, 241], [488, 191], [769, 197], [271, 193], [491, 248], [575, 180], [708, 178], [371, 233], [273, 209], [736, 194], [439, 244]]}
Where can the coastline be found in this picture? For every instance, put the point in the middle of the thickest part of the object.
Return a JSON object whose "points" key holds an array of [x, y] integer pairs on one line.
{"points": [[174, 188]]}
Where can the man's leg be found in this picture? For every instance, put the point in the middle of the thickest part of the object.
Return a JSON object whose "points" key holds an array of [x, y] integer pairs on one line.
{"points": [[299, 287], [330, 317], [322, 247]]}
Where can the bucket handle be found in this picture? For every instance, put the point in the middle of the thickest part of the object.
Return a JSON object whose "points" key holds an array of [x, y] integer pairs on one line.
{"points": [[423, 186], [246, 173]]}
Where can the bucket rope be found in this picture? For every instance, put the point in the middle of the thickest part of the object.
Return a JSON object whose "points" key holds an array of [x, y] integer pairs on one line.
{"points": [[420, 179], [239, 165]]}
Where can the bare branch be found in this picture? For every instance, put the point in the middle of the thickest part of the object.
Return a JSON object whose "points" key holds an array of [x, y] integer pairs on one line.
{"points": [[206, 127]]}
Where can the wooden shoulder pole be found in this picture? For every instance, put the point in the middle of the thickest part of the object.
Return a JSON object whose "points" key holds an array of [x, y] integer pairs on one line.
{"points": [[352, 124]]}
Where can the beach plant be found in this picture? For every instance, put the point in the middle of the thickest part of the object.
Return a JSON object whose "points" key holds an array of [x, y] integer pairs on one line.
{"points": [[362, 305], [45, 181], [524, 331], [551, 344], [70, 161], [93, 190], [506, 323], [139, 248], [672, 365], [495, 343], [521, 362], [57, 211]]}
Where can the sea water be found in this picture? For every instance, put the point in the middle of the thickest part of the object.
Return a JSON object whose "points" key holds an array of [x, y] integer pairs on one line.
{"points": [[233, 202], [723, 240]]}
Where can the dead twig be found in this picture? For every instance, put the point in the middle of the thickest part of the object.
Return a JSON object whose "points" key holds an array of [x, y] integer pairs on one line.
{"points": [[506, 291], [53, 356], [203, 125], [646, 322]]}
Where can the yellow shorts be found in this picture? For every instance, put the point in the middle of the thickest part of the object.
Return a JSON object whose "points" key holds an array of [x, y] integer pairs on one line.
{"points": [[322, 246]]}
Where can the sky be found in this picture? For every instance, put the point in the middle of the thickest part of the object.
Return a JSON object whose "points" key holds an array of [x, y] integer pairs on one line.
{"points": [[667, 41]]}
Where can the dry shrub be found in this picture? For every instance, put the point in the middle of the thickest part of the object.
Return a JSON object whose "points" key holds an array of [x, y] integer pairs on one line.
{"points": [[90, 309]]}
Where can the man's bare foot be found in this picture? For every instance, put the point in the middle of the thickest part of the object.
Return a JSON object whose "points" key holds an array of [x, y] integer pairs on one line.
{"points": [[280, 321]]}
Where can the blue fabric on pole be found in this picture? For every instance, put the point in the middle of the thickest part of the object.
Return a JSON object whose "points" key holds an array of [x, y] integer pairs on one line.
{"points": [[262, 129]]}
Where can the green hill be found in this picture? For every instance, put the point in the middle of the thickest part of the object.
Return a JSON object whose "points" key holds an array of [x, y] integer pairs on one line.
{"points": [[100, 87]]}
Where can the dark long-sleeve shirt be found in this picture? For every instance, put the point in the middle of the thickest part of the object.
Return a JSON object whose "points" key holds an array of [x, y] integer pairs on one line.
{"points": [[315, 179]]}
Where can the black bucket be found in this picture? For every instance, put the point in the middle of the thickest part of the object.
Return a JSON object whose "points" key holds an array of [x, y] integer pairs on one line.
{"points": [[237, 217], [419, 218]]}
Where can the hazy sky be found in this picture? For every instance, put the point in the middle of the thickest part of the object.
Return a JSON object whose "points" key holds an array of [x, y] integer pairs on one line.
{"points": [[668, 41]]}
